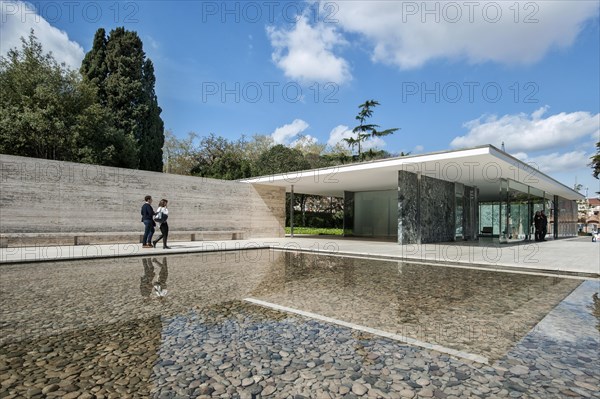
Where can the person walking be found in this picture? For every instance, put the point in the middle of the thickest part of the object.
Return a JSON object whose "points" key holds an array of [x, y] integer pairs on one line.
{"points": [[162, 213], [147, 219]]}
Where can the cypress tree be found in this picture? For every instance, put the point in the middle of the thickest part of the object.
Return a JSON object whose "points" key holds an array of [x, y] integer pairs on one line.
{"points": [[118, 67], [93, 66], [152, 133]]}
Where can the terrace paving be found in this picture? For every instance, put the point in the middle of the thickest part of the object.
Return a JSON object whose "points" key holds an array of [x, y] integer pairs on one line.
{"points": [[575, 256]]}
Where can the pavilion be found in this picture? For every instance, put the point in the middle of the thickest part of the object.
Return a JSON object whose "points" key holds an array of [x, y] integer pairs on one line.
{"points": [[443, 196]]}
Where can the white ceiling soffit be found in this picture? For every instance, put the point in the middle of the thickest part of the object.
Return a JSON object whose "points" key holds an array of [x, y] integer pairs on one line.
{"points": [[482, 167]]}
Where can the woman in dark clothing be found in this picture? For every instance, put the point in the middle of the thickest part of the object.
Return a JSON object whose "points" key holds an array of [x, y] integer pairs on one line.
{"points": [[164, 226]]}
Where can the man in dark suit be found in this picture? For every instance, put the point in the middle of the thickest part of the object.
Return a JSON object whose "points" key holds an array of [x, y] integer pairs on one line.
{"points": [[147, 219]]}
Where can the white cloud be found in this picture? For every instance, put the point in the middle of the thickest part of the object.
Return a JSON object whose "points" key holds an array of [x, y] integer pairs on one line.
{"points": [[283, 134], [305, 52], [409, 34], [557, 162], [341, 132], [522, 132], [337, 134], [375, 142], [18, 18], [418, 148]]}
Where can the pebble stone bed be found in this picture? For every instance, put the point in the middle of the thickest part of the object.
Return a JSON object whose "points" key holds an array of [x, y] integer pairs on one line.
{"points": [[202, 342]]}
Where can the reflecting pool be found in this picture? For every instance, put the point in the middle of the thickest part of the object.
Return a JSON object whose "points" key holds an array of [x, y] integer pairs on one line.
{"points": [[182, 326]]}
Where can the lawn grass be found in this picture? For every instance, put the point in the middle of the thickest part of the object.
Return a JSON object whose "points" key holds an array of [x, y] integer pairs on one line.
{"points": [[315, 231]]}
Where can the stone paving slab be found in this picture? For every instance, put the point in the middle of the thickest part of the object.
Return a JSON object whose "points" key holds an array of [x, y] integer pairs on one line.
{"points": [[569, 256], [574, 256]]}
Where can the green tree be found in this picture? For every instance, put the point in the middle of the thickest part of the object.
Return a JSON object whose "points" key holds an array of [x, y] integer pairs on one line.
{"points": [[100, 142], [218, 158], [595, 164], [312, 151], [93, 66], [124, 78], [179, 155], [338, 154], [255, 147], [280, 159], [47, 111], [151, 138], [365, 131], [230, 166]]}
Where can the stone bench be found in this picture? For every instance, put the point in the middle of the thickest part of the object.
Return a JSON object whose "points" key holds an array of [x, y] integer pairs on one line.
{"points": [[87, 238]]}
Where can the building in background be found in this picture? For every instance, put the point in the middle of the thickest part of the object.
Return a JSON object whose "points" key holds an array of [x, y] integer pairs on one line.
{"points": [[465, 194]]}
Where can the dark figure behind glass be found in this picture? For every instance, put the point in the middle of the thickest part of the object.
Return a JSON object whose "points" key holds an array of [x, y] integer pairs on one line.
{"points": [[537, 223], [544, 227]]}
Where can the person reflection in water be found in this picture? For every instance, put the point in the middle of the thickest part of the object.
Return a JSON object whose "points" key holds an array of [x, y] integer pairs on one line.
{"points": [[160, 287], [147, 284]]}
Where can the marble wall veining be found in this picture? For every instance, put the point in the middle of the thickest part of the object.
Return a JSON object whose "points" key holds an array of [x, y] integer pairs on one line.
{"points": [[408, 208], [436, 206], [348, 213], [427, 209]]}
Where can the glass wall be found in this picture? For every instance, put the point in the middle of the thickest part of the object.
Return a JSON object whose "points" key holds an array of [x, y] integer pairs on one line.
{"points": [[519, 211], [519, 219], [567, 217], [489, 219], [511, 218], [376, 213], [504, 210]]}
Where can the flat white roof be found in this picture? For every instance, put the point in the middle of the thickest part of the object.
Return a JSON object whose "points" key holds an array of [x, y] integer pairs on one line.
{"points": [[482, 167]]}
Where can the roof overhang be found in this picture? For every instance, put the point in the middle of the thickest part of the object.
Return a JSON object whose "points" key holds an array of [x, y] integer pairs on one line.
{"points": [[482, 167]]}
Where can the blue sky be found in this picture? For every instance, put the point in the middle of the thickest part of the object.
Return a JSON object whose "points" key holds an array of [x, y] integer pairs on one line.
{"points": [[449, 74]]}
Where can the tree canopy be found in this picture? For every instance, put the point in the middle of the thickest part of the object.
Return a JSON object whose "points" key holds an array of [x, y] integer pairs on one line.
{"points": [[595, 164], [124, 79], [365, 131], [219, 158], [281, 159], [47, 111]]}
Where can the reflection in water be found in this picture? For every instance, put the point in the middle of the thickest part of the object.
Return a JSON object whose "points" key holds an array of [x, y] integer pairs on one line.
{"points": [[147, 283], [595, 307], [72, 328], [160, 287], [147, 278], [478, 311]]}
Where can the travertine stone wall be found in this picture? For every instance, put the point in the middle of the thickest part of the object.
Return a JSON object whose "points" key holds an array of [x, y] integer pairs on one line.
{"points": [[38, 195]]}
